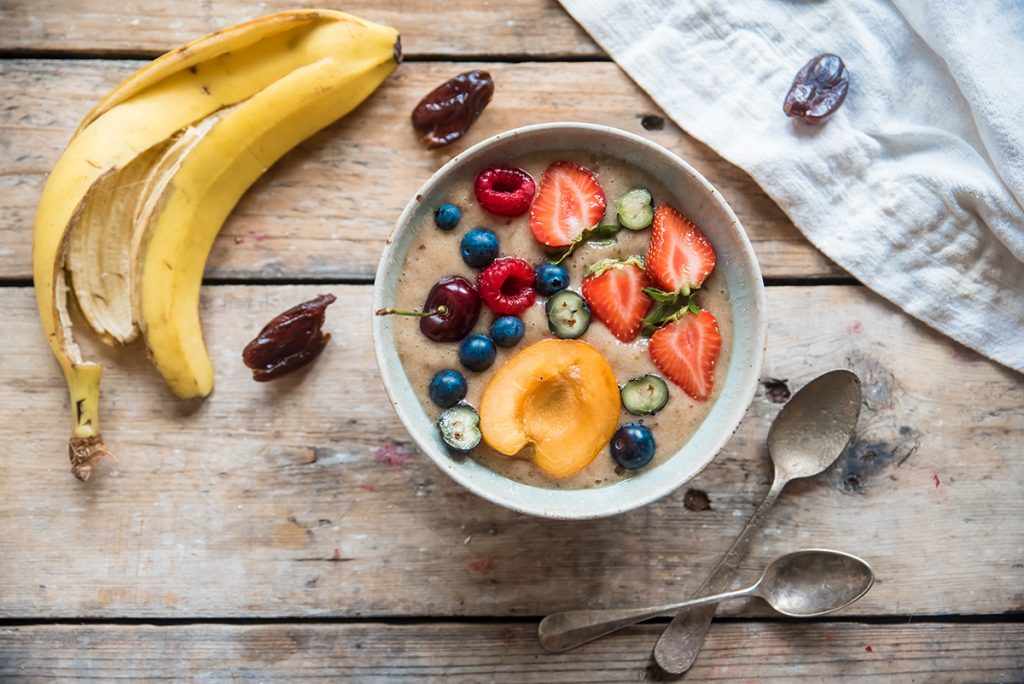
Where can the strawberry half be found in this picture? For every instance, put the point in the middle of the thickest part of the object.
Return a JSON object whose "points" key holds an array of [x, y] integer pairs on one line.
{"points": [[680, 257], [569, 201], [614, 290], [686, 351]]}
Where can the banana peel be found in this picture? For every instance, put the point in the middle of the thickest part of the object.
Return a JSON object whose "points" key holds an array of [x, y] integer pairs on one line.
{"points": [[131, 210]]}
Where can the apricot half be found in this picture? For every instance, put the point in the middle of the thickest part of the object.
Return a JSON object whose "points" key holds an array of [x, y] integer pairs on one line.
{"points": [[558, 395]]}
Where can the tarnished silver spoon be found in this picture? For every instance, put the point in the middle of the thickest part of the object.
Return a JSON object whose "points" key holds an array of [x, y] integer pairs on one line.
{"points": [[807, 436], [800, 584]]}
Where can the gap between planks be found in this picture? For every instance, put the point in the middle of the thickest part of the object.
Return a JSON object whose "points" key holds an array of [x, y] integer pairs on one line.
{"points": [[57, 55], [157, 621]]}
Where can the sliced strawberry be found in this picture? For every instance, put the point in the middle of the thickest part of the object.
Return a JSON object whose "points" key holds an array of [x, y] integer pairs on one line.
{"points": [[680, 257], [614, 290], [687, 350], [569, 201]]}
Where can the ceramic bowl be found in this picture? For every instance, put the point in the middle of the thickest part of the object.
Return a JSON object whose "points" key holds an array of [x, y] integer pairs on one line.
{"points": [[695, 197]]}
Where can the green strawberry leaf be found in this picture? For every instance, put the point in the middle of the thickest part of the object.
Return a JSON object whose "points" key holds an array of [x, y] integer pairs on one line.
{"points": [[660, 295], [668, 307], [601, 236]]}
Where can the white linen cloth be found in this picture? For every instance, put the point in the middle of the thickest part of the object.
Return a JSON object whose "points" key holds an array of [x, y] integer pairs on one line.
{"points": [[915, 186]]}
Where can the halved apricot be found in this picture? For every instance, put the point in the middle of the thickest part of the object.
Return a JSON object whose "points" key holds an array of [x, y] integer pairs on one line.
{"points": [[558, 395]]}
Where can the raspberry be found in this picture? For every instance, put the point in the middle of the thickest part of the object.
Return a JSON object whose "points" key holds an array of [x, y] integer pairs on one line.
{"points": [[506, 286], [505, 191]]}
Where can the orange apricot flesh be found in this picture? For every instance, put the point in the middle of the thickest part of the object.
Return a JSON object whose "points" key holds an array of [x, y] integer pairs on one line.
{"points": [[560, 396]]}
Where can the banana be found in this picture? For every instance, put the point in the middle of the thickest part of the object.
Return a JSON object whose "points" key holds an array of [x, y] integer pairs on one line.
{"points": [[131, 210]]}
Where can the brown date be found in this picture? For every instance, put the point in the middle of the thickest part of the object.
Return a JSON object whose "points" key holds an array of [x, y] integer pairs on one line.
{"points": [[818, 90], [448, 111], [288, 342]]}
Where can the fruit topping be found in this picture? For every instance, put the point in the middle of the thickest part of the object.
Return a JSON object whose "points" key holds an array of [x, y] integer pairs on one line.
{"points": [[448, 111], [614, 290], [680, 257], [506, 286], [507, 331], [632, 446], [550, 278], [460, 427], [504, 191], [635, 209], [447, 388], [447, 216], [568, 315], [477, 352], [686, 351], [570, 201], [645, 395], [818, 90], [479, 247], [558, 395], [450, 311], [289, 341]]}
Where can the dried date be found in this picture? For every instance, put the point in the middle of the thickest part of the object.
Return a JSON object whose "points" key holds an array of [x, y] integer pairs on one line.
{"points": [[290, 341], [818, 90], [448, 111]]}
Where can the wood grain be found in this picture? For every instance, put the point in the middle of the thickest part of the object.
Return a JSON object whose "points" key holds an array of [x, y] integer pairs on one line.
{"points": [[306, 498], [506, 652], [434, 28], [325, 210]]}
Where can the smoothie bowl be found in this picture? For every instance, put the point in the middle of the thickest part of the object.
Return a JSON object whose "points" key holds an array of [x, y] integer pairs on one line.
{"points": [[570, 320]]}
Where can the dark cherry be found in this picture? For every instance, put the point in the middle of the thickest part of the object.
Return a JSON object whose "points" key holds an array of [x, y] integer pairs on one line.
{"points": [[818, 90], [450, 311]]}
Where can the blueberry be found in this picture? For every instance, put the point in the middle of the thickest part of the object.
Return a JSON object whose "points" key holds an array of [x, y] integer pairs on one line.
{"points": [[447, 388], [479, 247], [632, 446], [447, 216], [477, 352], [507, 331], [550, 278]]}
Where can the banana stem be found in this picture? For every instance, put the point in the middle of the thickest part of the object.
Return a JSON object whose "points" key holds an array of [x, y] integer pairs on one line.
{"points": [[84, 453]]}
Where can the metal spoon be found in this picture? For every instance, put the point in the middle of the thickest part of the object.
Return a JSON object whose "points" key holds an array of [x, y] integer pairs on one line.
{"points": [[800, 584], [806, 438]]}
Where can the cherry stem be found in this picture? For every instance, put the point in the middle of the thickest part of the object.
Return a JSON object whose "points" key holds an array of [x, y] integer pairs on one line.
{"points": [[439, 311]]}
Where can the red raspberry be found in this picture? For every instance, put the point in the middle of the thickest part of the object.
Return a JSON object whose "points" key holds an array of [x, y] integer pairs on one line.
{"points": [[505, 191], [506, 286]]}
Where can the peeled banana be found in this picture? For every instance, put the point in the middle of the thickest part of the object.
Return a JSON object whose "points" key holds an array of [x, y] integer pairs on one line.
{"points": [[129, 213]]}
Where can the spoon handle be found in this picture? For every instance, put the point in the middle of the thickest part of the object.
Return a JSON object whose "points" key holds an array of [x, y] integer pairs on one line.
{"points": [[572, 628], [681, 641]]}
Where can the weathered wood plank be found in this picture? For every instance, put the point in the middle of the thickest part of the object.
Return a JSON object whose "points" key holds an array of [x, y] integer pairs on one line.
{"points": [[325, 210], [538, 28], [374, 652], [305, 497]]}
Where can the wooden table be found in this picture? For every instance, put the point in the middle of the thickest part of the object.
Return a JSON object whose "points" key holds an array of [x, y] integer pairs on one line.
{"points": [[292, 530]]}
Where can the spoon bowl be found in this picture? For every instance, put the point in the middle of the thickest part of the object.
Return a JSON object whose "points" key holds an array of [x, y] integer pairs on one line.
{"points": [[814, 582], [814, 427]]}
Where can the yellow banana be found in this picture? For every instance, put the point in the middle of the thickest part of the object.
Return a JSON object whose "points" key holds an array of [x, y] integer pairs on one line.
{"points": [[132, 207]]}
